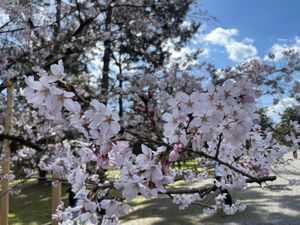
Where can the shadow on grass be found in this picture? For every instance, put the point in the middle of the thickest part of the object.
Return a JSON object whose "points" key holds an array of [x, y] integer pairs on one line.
{"points": [[33, 205], [276, 204]]}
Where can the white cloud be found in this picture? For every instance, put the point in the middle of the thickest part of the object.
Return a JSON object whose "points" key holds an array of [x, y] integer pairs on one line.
{"points": [[237, 50], [278, 48], [273, 111], [220, 36]]}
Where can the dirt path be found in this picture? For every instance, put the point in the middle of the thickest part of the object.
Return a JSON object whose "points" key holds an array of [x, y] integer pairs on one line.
{"points": [[275, 204]]}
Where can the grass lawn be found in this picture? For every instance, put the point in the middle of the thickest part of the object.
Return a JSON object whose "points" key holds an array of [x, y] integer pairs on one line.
{"points": [[273, 205], [33, 205]]}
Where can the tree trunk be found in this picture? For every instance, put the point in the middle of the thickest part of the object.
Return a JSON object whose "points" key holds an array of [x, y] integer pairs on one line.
{"points": [[6, 155], [42, 176], [106, 56]]}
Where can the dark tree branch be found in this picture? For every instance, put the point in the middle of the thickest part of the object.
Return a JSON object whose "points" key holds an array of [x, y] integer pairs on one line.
{"points": [[58, 18], [22, 141], [106, 56], [218, 146], [201, 191]]}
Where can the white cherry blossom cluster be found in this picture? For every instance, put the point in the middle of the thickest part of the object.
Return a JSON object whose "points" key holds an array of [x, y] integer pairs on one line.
{"points": [[238, 206], [293, 137], [59, 162], [114, 208], [63, 215], [185, 200], [102, 125], [227, 110], [229, 209], [221, 125], [210, 210], [215, 126], [110, 220], [46, 96], [143, 174]]}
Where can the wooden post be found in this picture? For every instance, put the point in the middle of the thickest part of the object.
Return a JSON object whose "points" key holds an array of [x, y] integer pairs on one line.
{"points": [[56, 193], [6, 154]]}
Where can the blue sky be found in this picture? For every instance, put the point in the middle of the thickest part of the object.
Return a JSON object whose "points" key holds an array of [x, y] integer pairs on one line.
{"points": [[251, 28], [265, 22]]}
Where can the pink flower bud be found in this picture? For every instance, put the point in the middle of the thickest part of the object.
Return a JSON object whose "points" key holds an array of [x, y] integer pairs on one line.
{"points": [[175, 147], [178, 147], [173, 156]]}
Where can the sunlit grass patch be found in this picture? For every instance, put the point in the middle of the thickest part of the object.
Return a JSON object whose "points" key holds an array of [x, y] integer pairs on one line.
{"points": [[33, 205]]}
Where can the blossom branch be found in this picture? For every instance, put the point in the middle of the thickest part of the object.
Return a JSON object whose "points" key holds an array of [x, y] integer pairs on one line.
{"points": [[201, 191], [201, 153], [71, 88]]}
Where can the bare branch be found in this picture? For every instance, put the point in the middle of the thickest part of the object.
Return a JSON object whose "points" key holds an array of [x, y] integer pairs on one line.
{"points": [[21, 141]]}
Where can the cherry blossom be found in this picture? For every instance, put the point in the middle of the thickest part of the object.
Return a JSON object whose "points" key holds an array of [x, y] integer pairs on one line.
{"points": [[167, 114], [217, 126]]}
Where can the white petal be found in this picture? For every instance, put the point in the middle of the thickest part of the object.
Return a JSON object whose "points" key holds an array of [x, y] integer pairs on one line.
{"points": [[69, 94], [168, 117], [146, 150], [56, 91], [183, 97], [57, 69], [69, 104], [37, 99], [195, 96], [52, 79], [115, 127], [99, 107], [27, 92], [32, 83]]}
